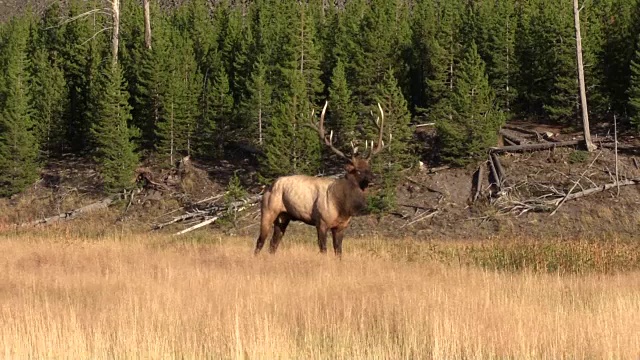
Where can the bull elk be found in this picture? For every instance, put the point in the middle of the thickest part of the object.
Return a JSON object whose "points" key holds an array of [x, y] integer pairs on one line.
{"points": [[326, 203]]}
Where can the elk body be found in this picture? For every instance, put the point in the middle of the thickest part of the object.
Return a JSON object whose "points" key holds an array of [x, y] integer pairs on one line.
{"points": [[326, 203]]}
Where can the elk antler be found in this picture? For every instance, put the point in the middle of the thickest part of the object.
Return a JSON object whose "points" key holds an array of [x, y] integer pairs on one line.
{"points": [[379, 123], [320, 129]]}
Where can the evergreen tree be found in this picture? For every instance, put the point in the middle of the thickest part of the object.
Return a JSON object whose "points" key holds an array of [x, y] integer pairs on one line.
{"points": [[561, 105], [437, 41], [50, 33], [341, 115], [307, 56], [243, 65], [634, 89], [496, 23], [291, 147], [203, 31], [115, 151], [257, 108], [397, 136], [382, 41], [48, 100], [80, 57], [178, 97], [546, 49], [621, 28], [213, 132], [471, 123], [18, 146], [152, 81]]}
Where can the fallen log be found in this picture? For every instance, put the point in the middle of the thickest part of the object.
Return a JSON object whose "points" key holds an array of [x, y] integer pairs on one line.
{"points": [[521, 129], [70, 215], [478, 184], [533, 147], [508, 142], [417, 207], [424, 216], [594, 190], [198, 225], [544, 204], [511, 138], [621, 147], [494, 174], [499, 169]]}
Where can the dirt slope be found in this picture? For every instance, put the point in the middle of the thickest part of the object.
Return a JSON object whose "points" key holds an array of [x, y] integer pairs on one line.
{"points": [[71, 183]]}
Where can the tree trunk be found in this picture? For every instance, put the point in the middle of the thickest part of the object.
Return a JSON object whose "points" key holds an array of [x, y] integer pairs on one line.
{"points": [[147, 24], [533, 147], [260, 118], [115, 14], [583, 93]]}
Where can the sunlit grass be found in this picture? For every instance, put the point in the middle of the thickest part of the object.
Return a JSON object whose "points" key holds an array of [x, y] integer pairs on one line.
{"points": [[119, 295]]}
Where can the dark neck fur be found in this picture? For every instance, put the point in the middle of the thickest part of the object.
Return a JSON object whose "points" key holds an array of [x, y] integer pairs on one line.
{"points": [[348, 196]]}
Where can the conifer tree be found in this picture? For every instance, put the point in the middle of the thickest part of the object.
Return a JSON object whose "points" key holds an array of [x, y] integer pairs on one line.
{"points": [[152, 81], [203, 30], [243, 64], [48, 100], [496, 24], [470, 125], [79, 58], [179, 97], [257, 108], [376, 47], [50, 33], [18, 146], [213, 131], [621, 28], [341, 115], [634, 89], [115, 151], [291, 147], [561, 105], [397, 135], [440, 46], [307, 56]]}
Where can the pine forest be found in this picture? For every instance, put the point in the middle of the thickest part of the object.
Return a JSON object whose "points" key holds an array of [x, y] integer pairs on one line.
{"points": [[209, 76]]}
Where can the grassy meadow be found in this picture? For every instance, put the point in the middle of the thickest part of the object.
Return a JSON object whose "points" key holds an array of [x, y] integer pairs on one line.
{"points": [[65, 294]]}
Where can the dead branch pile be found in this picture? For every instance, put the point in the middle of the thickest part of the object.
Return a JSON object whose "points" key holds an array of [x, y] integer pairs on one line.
{"points": [[511, 202], [206, 212]]}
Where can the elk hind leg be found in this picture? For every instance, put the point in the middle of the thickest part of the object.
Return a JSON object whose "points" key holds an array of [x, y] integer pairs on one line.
{"points": [[280, 226], [265, 227]]}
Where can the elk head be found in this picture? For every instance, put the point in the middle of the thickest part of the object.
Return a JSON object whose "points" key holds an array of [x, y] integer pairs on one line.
{"points": [[357, 167]]}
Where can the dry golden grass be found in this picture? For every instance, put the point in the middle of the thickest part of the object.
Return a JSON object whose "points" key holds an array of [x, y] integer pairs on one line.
{"points": [[143, 296]]}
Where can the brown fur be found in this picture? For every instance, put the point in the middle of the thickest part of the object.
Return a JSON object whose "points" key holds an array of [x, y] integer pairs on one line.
{"points": [[328, 204]]}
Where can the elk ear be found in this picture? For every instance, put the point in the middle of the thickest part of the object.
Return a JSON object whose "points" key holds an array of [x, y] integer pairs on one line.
{"points": [[349, 167]]}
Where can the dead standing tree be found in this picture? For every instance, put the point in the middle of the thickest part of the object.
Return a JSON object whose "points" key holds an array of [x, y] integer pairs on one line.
{"points": [[147, 24], [583, 92], [115, 31]]}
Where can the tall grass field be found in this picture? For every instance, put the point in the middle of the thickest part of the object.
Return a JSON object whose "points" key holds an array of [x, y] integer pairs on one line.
{"points": [[131, 296]]}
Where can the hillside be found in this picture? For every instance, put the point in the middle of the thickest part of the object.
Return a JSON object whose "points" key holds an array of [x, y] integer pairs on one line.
{"points": [[430, 204]]}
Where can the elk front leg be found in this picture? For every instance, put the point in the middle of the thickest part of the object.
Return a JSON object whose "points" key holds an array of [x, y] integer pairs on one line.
{"points": [[322, 238], [338, 235]]}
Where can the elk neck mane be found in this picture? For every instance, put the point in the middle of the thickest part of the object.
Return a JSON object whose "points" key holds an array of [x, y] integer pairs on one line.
{"points": [[349, 197]]}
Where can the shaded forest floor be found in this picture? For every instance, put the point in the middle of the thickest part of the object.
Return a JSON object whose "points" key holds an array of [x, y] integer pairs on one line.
{"points": [[432, 203]]}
